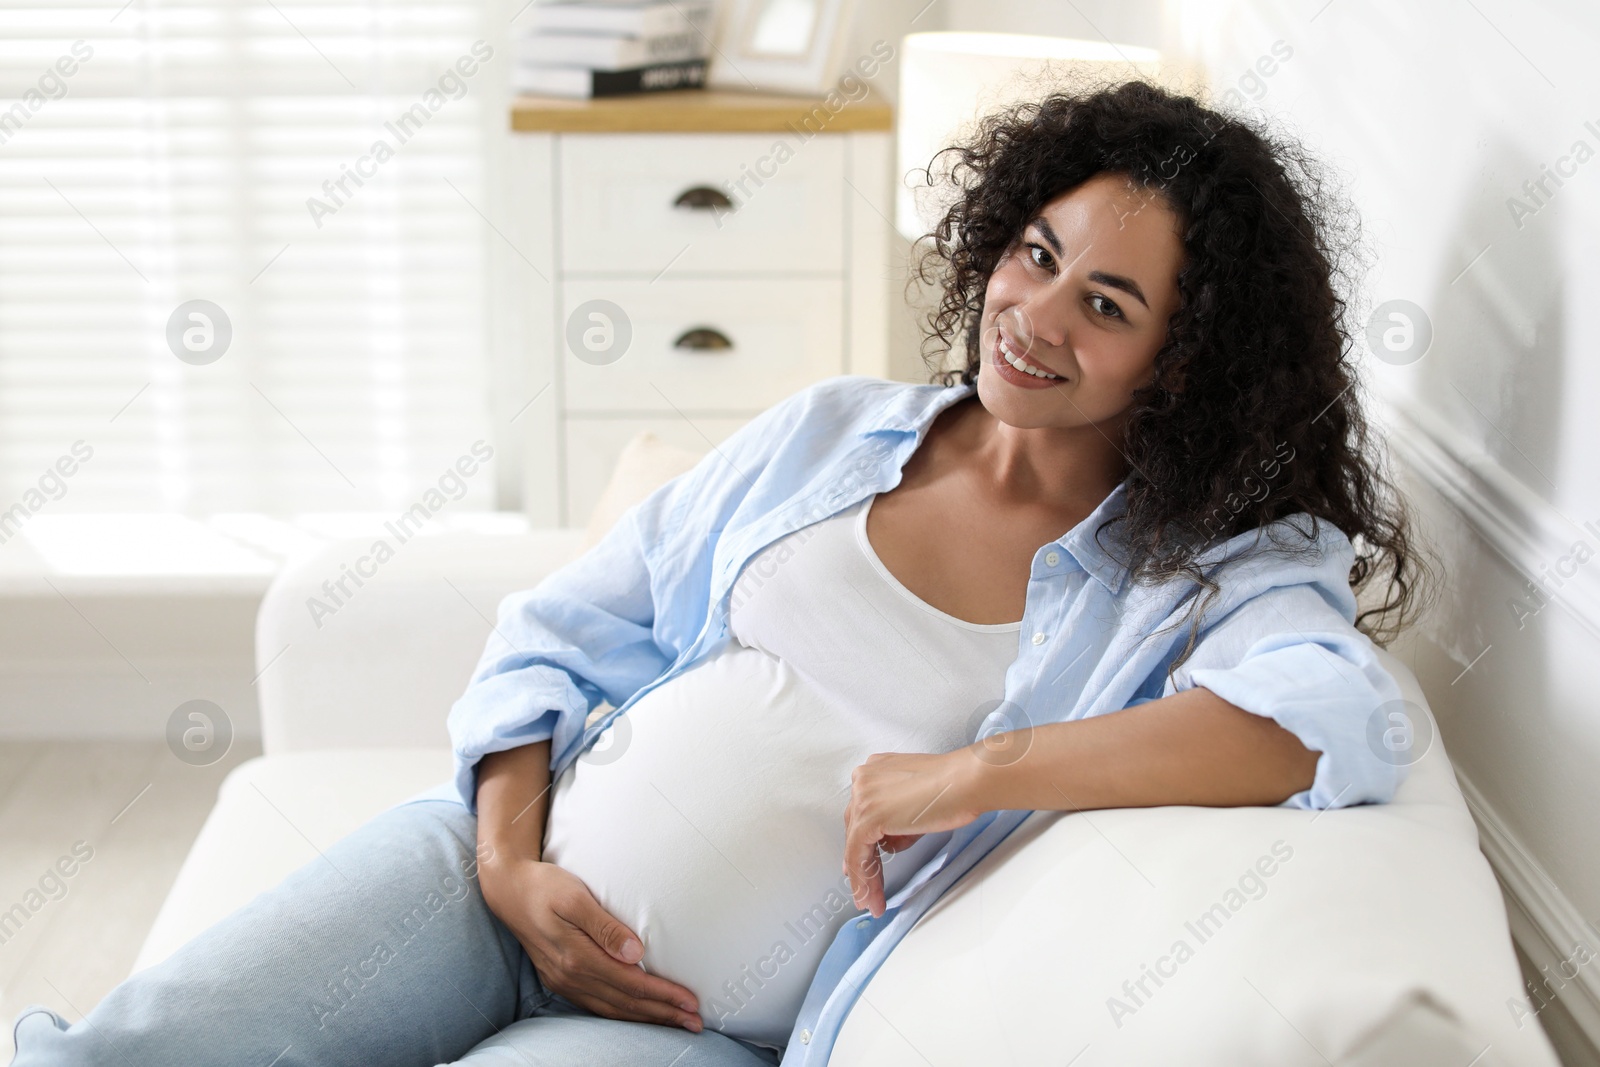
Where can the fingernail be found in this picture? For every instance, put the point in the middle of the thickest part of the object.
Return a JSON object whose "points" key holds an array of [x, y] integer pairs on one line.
{"points": [[687, 1005], [632, 951], [692, 1025]]}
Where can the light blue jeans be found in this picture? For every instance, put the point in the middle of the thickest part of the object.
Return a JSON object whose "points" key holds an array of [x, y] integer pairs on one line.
{"points": [[383, 952]]}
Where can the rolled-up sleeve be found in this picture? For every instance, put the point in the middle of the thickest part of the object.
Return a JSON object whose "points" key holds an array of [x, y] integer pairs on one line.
{"points": [[1292, 656], [616, 618], [583, 635]]}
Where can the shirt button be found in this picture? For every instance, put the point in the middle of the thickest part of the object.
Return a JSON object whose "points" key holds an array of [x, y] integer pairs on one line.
{"points": [[1052, 558], [805, 1037], [1038, 639], [863, 924]]}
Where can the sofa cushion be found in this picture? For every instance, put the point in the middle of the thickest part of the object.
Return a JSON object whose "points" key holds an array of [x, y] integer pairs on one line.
{"points": [[1214, 936]]}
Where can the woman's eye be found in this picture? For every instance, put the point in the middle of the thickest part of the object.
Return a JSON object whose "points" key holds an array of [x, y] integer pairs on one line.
{"points": [[1041, 256], [1104, 306]]}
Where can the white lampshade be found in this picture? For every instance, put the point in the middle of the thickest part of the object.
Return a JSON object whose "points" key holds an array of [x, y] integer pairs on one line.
{"points": [[948, 80]]}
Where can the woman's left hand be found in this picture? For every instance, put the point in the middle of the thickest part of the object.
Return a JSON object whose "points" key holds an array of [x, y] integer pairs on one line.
{"points": [[895, 798]]}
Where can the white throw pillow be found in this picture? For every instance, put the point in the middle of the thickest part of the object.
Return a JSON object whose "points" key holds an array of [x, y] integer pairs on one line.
{"points": [[1378, 929], [646, 462]]}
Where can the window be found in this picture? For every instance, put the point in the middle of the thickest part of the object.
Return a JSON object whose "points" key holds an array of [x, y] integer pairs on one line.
{"points": [[316, 171]]}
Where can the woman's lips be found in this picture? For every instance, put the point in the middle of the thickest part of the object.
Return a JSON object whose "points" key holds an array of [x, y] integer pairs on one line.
{"points": [[1014, 375]]}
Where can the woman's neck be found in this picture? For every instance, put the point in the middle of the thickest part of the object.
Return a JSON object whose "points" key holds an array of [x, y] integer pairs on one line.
{"points": [[1074, 468]]}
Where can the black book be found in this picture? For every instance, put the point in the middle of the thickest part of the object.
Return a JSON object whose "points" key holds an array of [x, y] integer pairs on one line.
{"points": [[541, 80]]}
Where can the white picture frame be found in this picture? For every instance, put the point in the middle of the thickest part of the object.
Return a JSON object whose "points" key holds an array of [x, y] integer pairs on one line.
{"points": [[779, 45]]}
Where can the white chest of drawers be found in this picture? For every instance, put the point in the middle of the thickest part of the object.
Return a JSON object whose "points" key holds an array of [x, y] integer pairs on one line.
{"points": [[689, 259]]}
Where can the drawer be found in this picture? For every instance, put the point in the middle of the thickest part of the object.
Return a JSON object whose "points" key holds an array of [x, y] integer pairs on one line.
{"points": [[618, 193], [784, 335], [593, 445]]}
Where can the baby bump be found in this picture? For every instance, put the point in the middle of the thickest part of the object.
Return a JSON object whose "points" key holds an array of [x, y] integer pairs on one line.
{"points": [[712, 824]]}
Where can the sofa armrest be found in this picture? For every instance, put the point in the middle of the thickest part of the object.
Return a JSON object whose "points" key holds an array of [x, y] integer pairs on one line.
{"points": [[1363, 936], [378, 664]]}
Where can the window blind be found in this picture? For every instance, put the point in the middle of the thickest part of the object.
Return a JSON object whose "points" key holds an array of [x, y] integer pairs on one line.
{"points": [[316, 171]]}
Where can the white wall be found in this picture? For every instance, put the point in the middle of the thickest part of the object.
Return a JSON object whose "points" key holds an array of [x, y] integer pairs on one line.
{"points": [[107, 659], [1131, 22], [1435, 113]]}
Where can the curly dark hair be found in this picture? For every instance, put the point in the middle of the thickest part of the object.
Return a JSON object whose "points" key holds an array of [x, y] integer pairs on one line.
{"points": [[1253, 414]]}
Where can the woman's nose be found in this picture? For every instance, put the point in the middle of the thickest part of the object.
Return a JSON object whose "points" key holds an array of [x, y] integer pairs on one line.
{"points": [[1041, 320]]}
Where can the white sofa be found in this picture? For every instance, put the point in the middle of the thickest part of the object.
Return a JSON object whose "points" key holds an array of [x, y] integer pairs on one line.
{"points": [[1381, 939]]}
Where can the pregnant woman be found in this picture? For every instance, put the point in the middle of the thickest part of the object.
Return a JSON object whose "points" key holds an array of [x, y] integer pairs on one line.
{"points": [[711, 772]]}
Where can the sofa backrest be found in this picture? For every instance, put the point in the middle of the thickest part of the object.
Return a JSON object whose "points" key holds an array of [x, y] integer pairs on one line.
{"points": [[378, 665]]}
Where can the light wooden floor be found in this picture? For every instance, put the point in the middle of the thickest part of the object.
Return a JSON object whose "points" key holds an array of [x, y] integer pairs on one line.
{"points": [[139, 808]]}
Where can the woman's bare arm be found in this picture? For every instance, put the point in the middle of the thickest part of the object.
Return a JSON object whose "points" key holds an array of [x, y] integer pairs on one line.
{"points": [[1189, 748], [513, 799]]}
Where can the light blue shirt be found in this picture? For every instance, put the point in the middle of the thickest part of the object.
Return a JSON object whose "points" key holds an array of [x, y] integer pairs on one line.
{"points": [[651, 600]]}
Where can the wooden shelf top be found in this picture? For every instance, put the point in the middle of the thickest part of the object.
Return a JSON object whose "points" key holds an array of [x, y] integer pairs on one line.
{"points": [[697, 111]]}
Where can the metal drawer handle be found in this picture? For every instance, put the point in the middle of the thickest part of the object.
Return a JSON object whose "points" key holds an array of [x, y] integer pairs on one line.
{"points": [[703, 339], [703, 198]]}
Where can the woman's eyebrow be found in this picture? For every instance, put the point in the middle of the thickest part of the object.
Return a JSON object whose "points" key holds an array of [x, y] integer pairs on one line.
{"points": [[1040, 223], [1117, 281], [1099, 277]]}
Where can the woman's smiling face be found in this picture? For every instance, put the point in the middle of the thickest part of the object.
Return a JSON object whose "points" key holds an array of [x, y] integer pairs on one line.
{"points": [[1084, 293]]}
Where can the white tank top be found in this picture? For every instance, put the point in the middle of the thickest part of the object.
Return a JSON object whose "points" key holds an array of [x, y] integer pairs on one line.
{"points": [[711, 819]]}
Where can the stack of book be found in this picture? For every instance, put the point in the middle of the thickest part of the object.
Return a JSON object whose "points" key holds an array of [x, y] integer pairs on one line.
{"points": [[584, 48]]}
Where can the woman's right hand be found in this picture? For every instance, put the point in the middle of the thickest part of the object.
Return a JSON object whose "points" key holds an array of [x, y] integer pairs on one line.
{"points": [[580, 950]]}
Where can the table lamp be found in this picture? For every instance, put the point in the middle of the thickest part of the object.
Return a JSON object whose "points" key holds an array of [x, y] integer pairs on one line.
{"points": [[948, 80]]}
